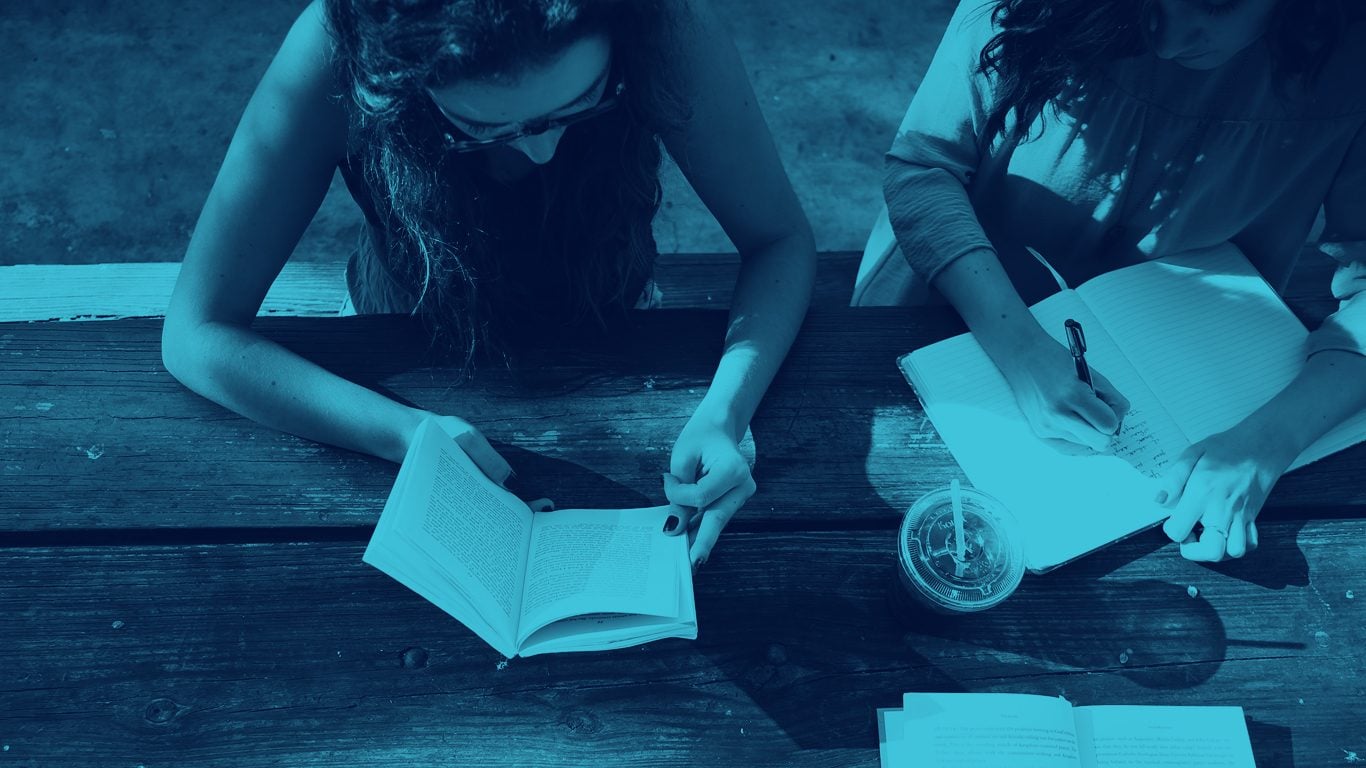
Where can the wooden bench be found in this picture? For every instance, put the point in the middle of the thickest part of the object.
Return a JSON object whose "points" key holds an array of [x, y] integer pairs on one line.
{"points": [[316, 289], [36, 292], [181, 586]]}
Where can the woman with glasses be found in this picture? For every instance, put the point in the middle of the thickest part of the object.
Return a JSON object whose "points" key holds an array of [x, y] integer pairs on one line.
{"points": [[505, 155], [1105, 133]]}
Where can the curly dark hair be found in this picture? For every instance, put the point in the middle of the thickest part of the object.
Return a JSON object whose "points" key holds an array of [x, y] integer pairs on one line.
{"points": [[440, 234], [1044, 46]]}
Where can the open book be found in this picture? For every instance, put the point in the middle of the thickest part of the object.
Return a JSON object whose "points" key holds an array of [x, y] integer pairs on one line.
{"points": [[529, 582], [1196, 343], [967, 730]]}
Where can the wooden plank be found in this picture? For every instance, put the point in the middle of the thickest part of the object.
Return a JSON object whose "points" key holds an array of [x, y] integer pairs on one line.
{"points": [[112, 291], [294, 654], [704, 280], [95, 434], [34, 292], [37, 292]]}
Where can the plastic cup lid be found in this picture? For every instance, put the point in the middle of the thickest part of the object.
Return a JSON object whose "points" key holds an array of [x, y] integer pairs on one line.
{"points": [[991, 563]]}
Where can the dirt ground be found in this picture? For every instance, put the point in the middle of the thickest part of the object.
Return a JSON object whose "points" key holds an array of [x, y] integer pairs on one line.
{"points": [[115, 118]]}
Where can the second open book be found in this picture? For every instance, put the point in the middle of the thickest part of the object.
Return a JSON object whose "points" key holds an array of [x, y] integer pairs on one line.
{"points": [[529, 582], [1196, 343], [967, 730]]}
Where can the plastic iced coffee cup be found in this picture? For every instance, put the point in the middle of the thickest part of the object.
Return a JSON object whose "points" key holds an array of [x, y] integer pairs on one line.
{"points": [[963, 557]]}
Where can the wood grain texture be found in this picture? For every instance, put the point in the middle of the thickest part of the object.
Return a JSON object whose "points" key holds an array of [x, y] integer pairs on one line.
{"points": [[94, 433], [37, 292], [298, 654], [112, 291], [31, 292]]}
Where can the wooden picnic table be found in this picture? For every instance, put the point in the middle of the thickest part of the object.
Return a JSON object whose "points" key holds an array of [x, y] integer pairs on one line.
{"points": [[181, 586]]}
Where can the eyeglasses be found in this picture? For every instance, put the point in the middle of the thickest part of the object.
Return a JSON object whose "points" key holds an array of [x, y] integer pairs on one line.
{"points": [[536, 127]]}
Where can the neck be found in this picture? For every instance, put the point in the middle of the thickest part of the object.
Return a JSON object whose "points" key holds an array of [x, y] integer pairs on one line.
{"points": [[507, 165]]}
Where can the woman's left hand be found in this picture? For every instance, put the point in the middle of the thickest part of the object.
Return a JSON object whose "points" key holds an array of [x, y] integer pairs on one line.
{"points": [[709, 477], [1221, 483]]}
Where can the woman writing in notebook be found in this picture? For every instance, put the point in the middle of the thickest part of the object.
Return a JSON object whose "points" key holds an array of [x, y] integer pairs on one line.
{"points": [[505, 154], [1107, 132]]}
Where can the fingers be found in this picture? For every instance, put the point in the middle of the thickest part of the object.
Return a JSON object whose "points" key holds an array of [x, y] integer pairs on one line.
{"points": [[1079, 417], [720, 479], [684, 514], [1173, 493], [1209, 548], [683, 465], [1111, 396], [1237, 537], [541, 505], [1076, 431], [714, 520], [1118, 403], [488, 460], [1094, 411]]}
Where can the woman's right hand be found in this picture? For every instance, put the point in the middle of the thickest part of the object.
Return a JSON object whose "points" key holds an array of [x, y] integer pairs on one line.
{"points": [[493, 465], [1058, 405]]}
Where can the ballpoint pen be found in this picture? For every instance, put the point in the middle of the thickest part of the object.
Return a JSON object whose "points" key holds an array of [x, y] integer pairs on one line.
{"points": [[1076, 344]]}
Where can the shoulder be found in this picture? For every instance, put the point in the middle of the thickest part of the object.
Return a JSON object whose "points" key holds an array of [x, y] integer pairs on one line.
{"points": [[972, 26], [305, 63], [302, 87]]}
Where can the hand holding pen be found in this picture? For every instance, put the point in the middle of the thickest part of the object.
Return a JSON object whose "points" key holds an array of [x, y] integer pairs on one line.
{"points": [[1062, 397], [1076, 345]]}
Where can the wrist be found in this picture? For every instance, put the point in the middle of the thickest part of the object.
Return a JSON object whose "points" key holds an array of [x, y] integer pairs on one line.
{"points": [[1015, 347], [1327, 391], [1274, 435], [715, 414], [402, 428]]}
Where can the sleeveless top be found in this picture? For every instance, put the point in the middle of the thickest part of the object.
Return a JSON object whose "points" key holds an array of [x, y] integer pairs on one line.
{"points": [[532, 231], [1149, 159]]}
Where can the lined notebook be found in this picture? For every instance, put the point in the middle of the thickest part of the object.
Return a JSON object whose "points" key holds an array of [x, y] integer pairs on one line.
{"points": [[1196, 343]]}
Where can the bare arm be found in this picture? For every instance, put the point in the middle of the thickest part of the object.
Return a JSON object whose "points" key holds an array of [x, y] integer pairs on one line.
{"points": [[728, 156], [276, 172]]}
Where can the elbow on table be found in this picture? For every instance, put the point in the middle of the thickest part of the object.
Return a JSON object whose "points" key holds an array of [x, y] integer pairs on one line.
{"points": [[173, 348], [182, 348]]}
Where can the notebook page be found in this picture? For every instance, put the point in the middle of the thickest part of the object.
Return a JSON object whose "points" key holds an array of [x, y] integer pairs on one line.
{"points": [[1206, 333], [1068, 501], [1153, 737], [1227, 344]]}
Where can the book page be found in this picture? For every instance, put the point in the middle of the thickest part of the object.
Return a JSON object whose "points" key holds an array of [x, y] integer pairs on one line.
{"points": [[1069, 501], [474, 530], [603, 631], [893, 751], [601, 561], [1163, 737], [969, 730], [396, 555]]}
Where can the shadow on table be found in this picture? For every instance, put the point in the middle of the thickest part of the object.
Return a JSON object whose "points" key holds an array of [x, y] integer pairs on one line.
{"points": [[1276, 564], [540, 476], [828, 640], [818, 662], [1271, 744], [1149, 631]]}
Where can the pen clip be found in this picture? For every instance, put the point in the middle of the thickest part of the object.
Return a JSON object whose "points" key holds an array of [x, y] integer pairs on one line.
{"points": [[1076, 340]]}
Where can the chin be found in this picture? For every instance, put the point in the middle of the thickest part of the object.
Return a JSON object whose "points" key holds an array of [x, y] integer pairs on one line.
{"points": [[1203, 63]]}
